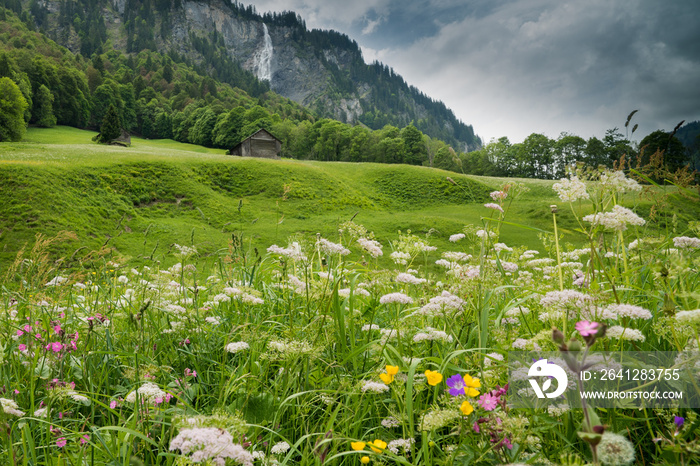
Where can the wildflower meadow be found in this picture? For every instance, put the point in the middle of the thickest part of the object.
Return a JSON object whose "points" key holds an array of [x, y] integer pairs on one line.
{"points": [[345, 350]]}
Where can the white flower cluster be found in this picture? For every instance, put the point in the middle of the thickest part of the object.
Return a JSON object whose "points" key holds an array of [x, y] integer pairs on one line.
{"points": [[631, 334], [617, 181], [293, 251], [390, 422], [400, 258], [440, 304], [237, 347], [456, 237], [482, 234], [529, 254], [502, 247], [565, 297], [345, 292], [279, 448], [210, 444], [536, 263], [570, 190], [688, 317], [373, 387], [328, 247], [291, 347], [371, 246], [617, 219], [410, 279], [185, 251], [686, 242], [56, 281], [575, 254], [498, 195], [456, 256], [148, 392], [396, 298], [401, 443], [494, 206], [369, 327], [432, 334], [10, 407], [629, 310]]}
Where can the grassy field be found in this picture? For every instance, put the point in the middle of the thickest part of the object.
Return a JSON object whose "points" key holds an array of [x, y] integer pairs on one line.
{"points": [[138, 201]]}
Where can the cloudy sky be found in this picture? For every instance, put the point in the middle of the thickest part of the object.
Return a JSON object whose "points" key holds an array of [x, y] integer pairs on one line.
{"points": [[516, 67]]}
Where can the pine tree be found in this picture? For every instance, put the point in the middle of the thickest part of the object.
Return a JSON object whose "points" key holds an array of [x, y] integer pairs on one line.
{"points": [[111, 126]]}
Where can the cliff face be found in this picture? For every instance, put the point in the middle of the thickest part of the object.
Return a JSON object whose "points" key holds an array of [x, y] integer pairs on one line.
{"points": [[320, 70]]}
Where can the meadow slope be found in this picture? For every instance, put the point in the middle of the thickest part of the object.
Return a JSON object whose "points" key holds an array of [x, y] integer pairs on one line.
{"points": [[137, 202]]}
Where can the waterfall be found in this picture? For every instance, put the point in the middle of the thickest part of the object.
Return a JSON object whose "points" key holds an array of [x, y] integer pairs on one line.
{"points": [[264, 58]]}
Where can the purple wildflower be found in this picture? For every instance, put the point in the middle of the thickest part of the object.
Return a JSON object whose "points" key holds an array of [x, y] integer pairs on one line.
{"points": [[456, 384], [678, 421]]}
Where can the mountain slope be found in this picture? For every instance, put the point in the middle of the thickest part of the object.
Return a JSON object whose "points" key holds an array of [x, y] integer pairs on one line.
{"points": [[323, 70]]}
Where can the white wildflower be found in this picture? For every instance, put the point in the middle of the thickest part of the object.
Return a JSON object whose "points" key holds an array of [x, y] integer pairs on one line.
{"points": [[685, 242], [279, 448], [373, 387], [396, 298], [493, 206], [432, 334], [617, 181], [400, 258], [629, 310], [56, 281], [456, 237], [631, 334], [410, 279], [371, 246], [148, 392], [293, 251], [688, 317], [328, 247], [210, 444], [10, 407], [617, 219], [237, 347], [402, 445], [571, 190]]}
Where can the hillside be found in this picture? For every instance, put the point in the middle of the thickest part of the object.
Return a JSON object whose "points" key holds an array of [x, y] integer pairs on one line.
{"points": [[138, 201], [231, 42], [142, 199]]}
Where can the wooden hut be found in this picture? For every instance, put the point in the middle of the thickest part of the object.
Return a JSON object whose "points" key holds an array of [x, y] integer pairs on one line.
{"points": [[259, 144]]}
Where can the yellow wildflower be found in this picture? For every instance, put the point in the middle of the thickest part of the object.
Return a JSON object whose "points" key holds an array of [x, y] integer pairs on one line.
{"points": [[466, 408], [364, 460], [377, 446], [357, 445], [471, 385], [434, 377]]}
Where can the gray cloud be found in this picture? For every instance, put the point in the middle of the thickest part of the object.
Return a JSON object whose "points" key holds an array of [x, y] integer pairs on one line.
{"points": [[511, 68]]}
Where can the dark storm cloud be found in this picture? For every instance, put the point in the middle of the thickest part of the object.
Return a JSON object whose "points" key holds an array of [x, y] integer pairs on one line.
{"points": [[517, 67]]}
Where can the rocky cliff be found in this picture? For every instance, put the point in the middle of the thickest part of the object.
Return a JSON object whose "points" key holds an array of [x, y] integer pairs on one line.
{"points": [[322, 70]]}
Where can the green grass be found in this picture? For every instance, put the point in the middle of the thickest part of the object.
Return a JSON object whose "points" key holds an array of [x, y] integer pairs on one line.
{"points": [[140, 200]]}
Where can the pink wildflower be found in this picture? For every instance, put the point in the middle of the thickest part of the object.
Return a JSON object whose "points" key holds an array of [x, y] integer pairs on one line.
{"points": [[22, 347], [56, 346], [84, 439], [586, 328], [61, 442], [488, 401], [493, 206], [113, 404]]}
